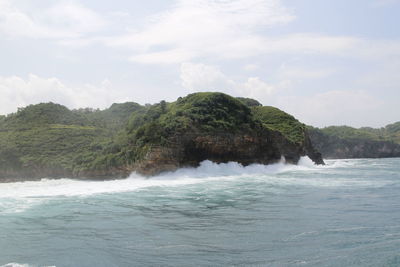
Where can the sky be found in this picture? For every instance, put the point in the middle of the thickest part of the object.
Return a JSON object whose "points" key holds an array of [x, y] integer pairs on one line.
{"points": [[327, 62]]}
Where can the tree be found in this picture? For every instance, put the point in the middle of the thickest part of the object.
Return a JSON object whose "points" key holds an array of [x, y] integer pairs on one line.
{"points": [[163, 106]]}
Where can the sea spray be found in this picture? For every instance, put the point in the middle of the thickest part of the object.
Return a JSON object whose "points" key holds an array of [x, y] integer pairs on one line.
{"points": [[206, 171], [19, 196], [14, 264]]}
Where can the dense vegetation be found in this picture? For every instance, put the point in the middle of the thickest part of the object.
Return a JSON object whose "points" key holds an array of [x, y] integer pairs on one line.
{"points": [[389, 133], [51, 136], [201, 111], [280, 121], [42, 114]]}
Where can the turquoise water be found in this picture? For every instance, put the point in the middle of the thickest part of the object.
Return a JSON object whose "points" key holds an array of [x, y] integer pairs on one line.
{"points": [[344, 214]]}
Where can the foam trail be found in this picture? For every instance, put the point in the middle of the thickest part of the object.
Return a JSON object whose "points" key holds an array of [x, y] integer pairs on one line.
{"points": [[206, 171], [13, 264], [19, 196], [341, 163]]}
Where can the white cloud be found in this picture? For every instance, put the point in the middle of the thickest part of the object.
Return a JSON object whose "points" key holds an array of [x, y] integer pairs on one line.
{"points": [[251, 67], [217, 30], [164, 57], [18, 92], [201, 77], [189, 30], [235, 29], [73, 17], [305, 43], [254, 87], [194, 28], [59, 21], [349, 107], [301, 72]]}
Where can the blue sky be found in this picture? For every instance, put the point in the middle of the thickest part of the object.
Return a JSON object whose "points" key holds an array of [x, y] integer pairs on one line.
{"points": [[326, 62]]}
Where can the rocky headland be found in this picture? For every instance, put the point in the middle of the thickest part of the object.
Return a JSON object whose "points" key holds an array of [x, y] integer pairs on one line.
{"points": [[50, 141]]}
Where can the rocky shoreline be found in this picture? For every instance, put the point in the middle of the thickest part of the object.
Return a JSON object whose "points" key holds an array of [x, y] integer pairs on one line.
{"points": [[189, 150]]}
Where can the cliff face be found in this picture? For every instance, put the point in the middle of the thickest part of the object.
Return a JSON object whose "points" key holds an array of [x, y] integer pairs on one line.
{"points": [[312, 151], [333, 147], [189, 150]]}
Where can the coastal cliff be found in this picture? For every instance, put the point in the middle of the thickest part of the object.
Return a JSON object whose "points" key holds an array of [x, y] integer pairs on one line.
{"points": [[245, 148], [50, 141], [216, 127], [338, 142]]}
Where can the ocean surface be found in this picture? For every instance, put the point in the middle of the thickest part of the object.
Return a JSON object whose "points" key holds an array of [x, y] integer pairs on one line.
{"points": [[344, 214]]}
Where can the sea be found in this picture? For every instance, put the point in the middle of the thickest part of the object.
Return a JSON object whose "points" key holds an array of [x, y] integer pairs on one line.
{"points": [[346, 213]]}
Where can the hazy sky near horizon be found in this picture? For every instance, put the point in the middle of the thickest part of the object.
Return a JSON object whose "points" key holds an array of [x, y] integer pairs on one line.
{"points": [[327, 62]]}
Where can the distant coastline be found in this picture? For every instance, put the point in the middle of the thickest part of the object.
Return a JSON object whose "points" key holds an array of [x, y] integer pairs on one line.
{"points": [[340, 142]]}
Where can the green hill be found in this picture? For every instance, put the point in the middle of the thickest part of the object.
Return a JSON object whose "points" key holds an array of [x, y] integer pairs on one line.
{"points": [[63, 142], [42, 114]]}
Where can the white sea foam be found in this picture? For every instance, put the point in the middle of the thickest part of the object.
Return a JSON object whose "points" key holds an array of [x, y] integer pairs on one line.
{"points": [[17, 197], [14, 264], [206, 171], [341, 163]]}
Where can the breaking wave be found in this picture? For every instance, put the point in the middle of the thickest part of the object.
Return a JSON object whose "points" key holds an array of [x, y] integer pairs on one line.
{"points": [[19, 196], [14, 264], [206, 171]]}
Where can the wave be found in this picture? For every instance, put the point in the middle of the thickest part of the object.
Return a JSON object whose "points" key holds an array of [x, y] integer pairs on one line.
{"points": [[14, 264], [19, 196], [206, 171]]}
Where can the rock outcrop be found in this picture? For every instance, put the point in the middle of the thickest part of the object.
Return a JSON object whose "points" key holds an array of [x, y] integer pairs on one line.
{"points": [[190, 150], [219, 128]]}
